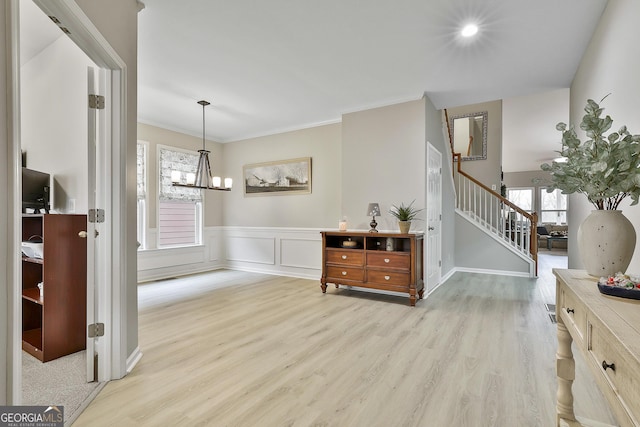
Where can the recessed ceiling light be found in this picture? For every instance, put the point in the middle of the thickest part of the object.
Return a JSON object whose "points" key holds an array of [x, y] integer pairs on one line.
{"points": [[469, 30]]}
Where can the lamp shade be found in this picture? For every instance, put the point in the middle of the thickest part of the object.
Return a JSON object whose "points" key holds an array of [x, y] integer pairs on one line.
{"points": [[373, 209]]}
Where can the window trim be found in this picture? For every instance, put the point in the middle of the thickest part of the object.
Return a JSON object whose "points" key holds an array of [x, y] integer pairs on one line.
{"points": [[143, 203], [566, 210], [200, 204], [533, 195]]}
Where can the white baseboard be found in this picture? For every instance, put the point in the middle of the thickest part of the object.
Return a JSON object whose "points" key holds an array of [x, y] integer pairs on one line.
{"points": [[494, 272], [133, 359]]}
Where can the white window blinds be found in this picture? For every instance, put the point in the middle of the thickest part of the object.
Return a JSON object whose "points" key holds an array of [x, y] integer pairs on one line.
{"points": [[174, 160], [141, 167]]}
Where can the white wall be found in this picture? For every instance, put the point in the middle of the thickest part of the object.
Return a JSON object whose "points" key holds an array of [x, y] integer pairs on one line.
{"points": [[529, 126], [7, 209], [610, 66], [54, 124]]}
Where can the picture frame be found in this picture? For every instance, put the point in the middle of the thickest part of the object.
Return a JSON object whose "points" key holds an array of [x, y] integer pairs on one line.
{"points": [[281, 177]]}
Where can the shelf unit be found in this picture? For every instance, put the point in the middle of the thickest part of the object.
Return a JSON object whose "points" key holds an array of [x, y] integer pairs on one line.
{"points": [[384, 261], [53, 325]]}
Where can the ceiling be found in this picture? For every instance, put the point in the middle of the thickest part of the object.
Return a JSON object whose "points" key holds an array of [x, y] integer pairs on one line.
{"points": [[278, 65]]}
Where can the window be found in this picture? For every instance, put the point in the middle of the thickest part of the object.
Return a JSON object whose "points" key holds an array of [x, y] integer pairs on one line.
{"points": [[179, 208], [553, 207], [522, 197], [141, 167]]}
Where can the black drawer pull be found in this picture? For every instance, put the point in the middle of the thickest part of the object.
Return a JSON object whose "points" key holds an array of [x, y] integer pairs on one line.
{"points": [[605, 366], [570, 310]]}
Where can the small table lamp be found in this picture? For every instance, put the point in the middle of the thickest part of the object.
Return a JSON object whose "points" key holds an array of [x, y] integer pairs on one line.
{"points": [[373, 210]]}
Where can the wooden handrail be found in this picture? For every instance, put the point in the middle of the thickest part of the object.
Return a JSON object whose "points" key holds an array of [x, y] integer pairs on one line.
{"points": [[493, 192]]}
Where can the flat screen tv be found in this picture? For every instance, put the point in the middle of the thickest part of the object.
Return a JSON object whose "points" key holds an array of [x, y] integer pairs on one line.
{"points": [[36, 188]]}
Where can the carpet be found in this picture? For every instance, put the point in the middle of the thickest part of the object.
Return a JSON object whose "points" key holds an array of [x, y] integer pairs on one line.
{"points": [[61, 382]]}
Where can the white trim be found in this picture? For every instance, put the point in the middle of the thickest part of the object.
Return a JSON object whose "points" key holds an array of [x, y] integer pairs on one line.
{"points": [[14, 205], [493, 272], [112, 306], [133, 359]]}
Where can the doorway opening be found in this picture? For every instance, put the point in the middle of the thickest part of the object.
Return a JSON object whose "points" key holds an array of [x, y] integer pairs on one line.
{"points": [[110, 172]]}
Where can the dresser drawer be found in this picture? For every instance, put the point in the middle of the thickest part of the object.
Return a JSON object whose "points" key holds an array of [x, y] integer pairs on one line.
{"points": [[345, 257], [388, 260], [623, 375], [338, 273], [574, 310], [388, 278]]}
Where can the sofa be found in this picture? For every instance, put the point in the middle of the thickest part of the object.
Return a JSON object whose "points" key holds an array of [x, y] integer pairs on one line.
{"points": [[545, 231]]}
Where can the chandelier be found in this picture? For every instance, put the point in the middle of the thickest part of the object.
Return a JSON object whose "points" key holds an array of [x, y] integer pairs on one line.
{"points": [[203, 177]]}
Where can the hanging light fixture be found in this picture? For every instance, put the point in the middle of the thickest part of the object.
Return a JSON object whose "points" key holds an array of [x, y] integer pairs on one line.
{"points": [[202, 178]]}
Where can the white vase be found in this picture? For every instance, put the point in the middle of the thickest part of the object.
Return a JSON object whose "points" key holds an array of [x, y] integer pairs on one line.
{"points": [[606, 241]]}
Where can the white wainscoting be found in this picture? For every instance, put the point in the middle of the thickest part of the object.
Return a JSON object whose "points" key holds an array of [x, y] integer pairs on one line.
{"points": [[284, 251], [155, 264], [291, 252]]}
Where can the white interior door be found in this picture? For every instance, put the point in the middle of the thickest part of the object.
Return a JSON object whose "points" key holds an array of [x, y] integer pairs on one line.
{"points": [[92, 118], [434, 218]]}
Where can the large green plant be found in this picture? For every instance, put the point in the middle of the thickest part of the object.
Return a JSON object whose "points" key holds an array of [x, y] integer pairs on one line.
{"points": [[605, 168]]}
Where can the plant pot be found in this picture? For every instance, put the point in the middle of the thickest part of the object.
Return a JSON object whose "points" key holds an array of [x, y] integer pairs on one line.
{"points": [[606, 241], [404, 226]]}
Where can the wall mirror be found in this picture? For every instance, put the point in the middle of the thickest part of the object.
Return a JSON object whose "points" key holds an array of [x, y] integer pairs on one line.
{"points": [[469, 134]]}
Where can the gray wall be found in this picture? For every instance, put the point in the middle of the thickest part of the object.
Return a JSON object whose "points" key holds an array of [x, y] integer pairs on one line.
{"points": [[476, 250], [383, 161], [610, 65], [486, 171], [319, 209]]}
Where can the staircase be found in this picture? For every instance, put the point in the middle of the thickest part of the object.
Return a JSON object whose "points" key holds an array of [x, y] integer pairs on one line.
{"points": [[487, 209]]}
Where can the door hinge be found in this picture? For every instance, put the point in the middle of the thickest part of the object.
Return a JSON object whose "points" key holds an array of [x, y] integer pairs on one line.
{"points": [[96, 215], [95, 330], [96, 102], [440, 263]]}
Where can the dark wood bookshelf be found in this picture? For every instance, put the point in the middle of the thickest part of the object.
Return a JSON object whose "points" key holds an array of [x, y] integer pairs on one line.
{"points": [[57, 328]]}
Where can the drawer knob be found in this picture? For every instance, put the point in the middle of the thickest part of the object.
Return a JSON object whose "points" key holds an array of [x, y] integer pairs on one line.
{"points": [[344, 257], [605, 365], [387, 277], [570, 310], [344, 273], [387, 260]]}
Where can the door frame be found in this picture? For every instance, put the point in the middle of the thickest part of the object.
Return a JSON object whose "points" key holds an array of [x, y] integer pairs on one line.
{"points": [[113, 265]]}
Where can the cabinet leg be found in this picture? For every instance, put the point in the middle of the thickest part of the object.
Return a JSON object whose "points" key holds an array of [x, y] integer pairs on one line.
{"points": [[323, 286], [420, 293], [566, 370]]}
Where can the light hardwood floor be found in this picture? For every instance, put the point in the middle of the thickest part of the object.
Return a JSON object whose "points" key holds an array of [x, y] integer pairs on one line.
{"points": [[242, 349]]}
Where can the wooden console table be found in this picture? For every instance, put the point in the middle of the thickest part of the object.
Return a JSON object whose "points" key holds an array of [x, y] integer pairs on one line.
{"points": [[606, 330], [385, 261]]}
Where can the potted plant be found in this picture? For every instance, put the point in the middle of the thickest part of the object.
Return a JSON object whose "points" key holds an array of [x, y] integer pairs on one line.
{"points": [[606, 169], [404, 214]]}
